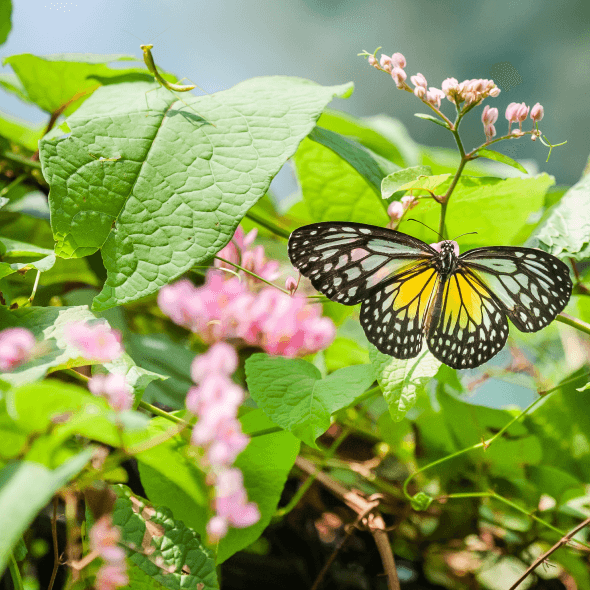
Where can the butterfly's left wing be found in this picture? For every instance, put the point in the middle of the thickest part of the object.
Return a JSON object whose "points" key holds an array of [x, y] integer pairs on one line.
{"points": [[346, 261], [531, 285], [467, 325]]}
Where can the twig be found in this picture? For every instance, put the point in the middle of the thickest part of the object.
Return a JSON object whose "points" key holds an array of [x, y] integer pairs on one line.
{"points": [[56, 561], [366, 509], [563, 541]]}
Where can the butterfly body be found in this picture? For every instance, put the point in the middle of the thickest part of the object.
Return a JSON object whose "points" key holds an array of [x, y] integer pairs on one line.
{"points": [[411, 291]]}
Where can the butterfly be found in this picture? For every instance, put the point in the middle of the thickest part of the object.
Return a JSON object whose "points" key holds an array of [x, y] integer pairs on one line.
{"points": [[411, 291]]}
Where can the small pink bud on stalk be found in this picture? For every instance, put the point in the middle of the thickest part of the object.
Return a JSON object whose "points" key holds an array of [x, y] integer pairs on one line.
{"points": [[450, 86], [409, 202], [399, 77], [385, 63], [512, 113], [373, 61], [16, 347], [537, 113], [395, 211], [398, 61], [291, 285], [489, 115], [419, 81], [522, 114], [434, 96]]}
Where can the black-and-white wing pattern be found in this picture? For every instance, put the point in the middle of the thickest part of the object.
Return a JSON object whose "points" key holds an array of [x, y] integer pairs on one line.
{"points": [[467, 326], [532, 286], [346, 260], [411, 291]]}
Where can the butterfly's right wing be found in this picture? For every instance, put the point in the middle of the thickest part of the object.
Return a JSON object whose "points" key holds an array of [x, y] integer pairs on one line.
{"points": [[346, 261]]}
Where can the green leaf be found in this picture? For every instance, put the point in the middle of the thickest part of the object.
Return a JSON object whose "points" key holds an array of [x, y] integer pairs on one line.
{"points": [[344, 352], [565, 232], [20, 132], [428, 183], [157, 352], [403, 380], [16, 254], [151, 232], [266, 464], [25, 488], [171, 477], [381, 134], [47, 325], [54, 81], [5, 19], [166, 549], [370, 166], [293, 395], [498, 157], [393, 182], [498, 210], [431, 118], [333, 190]]}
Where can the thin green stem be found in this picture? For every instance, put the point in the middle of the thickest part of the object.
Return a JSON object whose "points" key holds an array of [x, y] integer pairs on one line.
{"points": [[155, 410], [508, 502], [12, 184], [34, 291], [564, 318], [269, 225], [18, 159], [445, 201], [307, 484], [272, 430], [483, 444], [17, 581], [76, 375], [252, 274]]}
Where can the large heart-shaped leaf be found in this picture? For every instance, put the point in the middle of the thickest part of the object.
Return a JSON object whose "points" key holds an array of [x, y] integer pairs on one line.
{"points": [[174, 185]]}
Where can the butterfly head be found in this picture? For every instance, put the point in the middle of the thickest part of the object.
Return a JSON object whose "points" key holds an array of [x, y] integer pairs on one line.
{"points": [[448, 254]]}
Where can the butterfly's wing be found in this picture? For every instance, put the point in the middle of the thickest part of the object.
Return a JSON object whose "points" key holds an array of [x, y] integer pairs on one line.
{"points": [[467, 325], [532, 286], [347, 261], [394, 315]]}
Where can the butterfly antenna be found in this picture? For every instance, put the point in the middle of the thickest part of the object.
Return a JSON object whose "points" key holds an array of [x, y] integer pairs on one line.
{"points": [[412, 219], [465, 234]]}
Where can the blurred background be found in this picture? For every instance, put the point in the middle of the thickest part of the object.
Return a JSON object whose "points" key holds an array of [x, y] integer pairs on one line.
{"points": [[535, 50]]}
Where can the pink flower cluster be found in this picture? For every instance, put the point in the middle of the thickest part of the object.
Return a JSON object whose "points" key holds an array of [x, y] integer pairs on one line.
{"points": [[104, 537], [517, 113], [231, 308], [98, 342], [469, 91], [16, 347], [114, 388], [215, 400], [397, 209]]}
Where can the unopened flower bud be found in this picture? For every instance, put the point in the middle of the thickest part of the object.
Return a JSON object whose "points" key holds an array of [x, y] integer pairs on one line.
{"points": [[449, 85], [398, 60], [512, 112], [291, 285], [399, 76], [385, 62], [537, 112], [489, 116], [522, 112], [420, 91], [434, 96], [395, 211], [373, 61], [419, 80], [409, 202], [490, 131]]}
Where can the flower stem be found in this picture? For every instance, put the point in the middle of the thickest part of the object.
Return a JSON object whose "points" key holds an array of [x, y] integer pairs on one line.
{"points": [[564, 318]]}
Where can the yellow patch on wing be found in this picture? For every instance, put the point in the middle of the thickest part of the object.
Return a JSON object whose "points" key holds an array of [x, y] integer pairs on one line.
{"points": [[463, 301], [415, 292]]}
